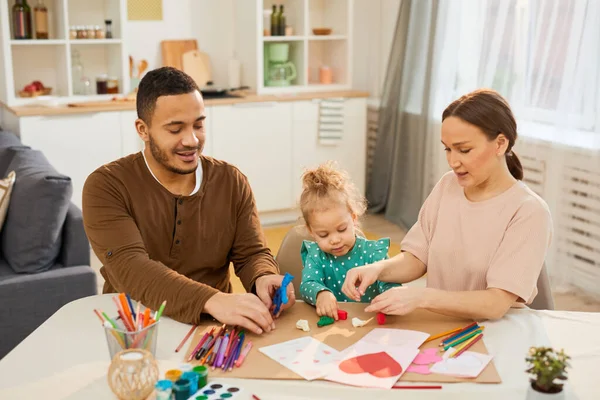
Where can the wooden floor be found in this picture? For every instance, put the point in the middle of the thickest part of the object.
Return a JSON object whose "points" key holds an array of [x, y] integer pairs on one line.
{"points": [[376, 224]]}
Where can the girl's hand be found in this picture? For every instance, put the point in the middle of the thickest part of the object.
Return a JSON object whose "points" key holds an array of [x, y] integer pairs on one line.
{"points": [[399, 301], [327, 304], [359, 279]]}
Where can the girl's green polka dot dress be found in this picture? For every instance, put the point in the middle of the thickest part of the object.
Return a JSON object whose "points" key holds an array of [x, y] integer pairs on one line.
{"points": [[323, 271]]}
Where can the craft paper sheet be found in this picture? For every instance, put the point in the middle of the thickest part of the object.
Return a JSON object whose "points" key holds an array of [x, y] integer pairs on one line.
{"points": [[306, 356], [468, 365], [368, 364], [395, 337]]}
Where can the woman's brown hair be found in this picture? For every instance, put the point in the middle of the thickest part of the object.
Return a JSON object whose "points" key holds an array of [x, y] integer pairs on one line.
{"points": [[490, 112]]}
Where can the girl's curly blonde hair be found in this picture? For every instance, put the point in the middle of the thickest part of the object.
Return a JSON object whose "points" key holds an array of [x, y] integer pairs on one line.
{"points": [[327, 185]]}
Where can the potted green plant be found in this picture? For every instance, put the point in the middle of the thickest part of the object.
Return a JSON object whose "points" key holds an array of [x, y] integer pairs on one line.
{"points": [[546, 366]]}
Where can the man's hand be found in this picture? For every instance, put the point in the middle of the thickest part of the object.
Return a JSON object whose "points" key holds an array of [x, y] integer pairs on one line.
{"points": [[267, 285], [327, 304], [245, 310]]}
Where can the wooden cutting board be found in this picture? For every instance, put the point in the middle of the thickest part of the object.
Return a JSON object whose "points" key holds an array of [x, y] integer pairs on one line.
{"points": [[173, 50], [197, 65]]}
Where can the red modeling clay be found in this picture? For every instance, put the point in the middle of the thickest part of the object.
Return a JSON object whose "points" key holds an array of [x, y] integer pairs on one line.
{"points": [[342, 315], [380, 318]]}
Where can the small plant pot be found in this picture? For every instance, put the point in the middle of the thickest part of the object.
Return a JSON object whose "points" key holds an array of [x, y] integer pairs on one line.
{"points": [[533, 394]]}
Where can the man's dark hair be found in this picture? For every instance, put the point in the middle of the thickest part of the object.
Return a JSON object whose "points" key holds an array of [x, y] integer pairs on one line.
{"points": [[164, 81]]}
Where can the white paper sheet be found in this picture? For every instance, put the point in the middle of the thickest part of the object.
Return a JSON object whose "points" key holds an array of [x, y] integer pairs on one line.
{"points": [[468, 365]]}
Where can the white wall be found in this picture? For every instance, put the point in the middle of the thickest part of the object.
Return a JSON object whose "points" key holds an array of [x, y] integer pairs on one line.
{"points": [[144, 37], [374, 26]]}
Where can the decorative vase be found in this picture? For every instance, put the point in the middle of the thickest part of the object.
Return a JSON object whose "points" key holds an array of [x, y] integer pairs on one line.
{"points": [[533, 394], [132, 374]]}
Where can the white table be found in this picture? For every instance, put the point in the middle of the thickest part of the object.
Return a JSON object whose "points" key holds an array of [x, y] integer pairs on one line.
{"points": [[67, 358]]}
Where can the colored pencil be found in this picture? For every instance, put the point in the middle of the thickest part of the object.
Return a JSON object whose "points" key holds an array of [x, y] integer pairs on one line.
{"points": [[462, 339], [114, 325], [99, 316], [125, 310], [255, 397], [137, 315], [146, 317], [417, 387], [462, 332], [467, 345], [125, 321], [239, 362], [133, 314], [188, 336], [439, 335], [160, 310]]}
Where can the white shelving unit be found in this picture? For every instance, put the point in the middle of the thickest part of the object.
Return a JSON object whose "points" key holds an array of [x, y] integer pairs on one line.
{"points": [[308, 52], [49, 60]]}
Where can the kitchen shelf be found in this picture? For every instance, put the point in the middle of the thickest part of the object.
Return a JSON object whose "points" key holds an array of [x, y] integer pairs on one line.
{"points": [[37, 42], [283, 38], [327, 37], [308, 52], [50, 60], [83, 42]]}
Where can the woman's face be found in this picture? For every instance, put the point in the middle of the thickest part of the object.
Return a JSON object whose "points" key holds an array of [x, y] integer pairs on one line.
{"points": [[470, 154]]}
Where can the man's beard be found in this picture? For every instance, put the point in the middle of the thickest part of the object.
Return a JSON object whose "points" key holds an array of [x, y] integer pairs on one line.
{"points": [[162, 157]]}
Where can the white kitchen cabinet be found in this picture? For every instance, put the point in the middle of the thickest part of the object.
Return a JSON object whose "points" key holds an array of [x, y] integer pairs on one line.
{"points": [[130, 140], [349, 152], [75, 144], [257, 138]]}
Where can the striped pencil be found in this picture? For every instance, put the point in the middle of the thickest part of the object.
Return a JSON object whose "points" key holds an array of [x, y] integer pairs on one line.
{"points": [[463, 338], [462, 332]]}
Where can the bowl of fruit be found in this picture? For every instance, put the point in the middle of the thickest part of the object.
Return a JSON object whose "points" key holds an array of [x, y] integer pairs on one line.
{"points": [[34, 89]]}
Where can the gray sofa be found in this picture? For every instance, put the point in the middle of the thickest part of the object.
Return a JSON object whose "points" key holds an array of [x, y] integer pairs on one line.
{"points": [[44, 252]]}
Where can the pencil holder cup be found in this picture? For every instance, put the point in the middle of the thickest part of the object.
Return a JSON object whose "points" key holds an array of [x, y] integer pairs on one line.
{"points": [[121, 339]]}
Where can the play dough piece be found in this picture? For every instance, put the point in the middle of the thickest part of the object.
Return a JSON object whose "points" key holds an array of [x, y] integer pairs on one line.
{"points": [[325, 320], [342, 315], [357, 322], [380, 318], [303, 324]]}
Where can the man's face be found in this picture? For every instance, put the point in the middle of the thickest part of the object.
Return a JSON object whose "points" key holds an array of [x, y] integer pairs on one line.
{"points": [[176, 134]]}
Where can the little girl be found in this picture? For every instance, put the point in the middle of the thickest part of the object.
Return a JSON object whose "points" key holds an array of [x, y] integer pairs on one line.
{"points": [[331, 206]]}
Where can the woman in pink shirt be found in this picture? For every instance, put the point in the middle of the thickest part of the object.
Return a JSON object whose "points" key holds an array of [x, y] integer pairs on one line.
{"points": [[481, 236]]}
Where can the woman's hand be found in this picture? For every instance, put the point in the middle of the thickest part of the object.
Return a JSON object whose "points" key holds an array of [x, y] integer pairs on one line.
{"points": [[399, 301], [359, 279], [327, 304]]}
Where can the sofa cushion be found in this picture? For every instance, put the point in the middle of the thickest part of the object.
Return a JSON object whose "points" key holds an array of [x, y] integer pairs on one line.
{"points": [[6, 186], [7, 140], [32, 234]]}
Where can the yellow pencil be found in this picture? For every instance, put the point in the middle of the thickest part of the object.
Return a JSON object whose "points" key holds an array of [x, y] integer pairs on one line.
{"points": [[443, 334], [459, 349]]}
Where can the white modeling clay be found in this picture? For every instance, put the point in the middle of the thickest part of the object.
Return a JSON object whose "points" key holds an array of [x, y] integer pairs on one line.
{"points": [[303, 324], [357, 322]]}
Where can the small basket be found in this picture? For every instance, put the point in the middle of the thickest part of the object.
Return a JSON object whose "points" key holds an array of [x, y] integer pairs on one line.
{"points": [[321, 31], [43, 92]]}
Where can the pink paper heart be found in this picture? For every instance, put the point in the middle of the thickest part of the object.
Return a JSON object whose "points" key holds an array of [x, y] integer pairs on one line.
{"points": [[326, 352], [426, 357], [419, 369]]}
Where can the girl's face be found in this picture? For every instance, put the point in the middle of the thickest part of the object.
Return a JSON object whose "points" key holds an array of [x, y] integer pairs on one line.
{"points": [[333, 229], [472, 157]]}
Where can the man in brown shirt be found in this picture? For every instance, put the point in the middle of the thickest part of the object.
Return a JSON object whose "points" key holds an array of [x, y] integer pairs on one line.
{"points": [[167, 222]]}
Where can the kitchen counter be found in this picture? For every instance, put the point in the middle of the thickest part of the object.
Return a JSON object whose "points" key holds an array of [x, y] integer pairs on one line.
{"points": [[123, 105]]}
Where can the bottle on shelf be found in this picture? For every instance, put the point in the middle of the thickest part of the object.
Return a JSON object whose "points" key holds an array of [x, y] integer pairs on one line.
{"points": [[281, 21], [21, 15], [274, 21], [108, 31], [40, 13], [77, 73]]}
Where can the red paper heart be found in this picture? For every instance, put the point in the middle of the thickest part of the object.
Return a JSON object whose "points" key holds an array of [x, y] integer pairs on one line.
{"points": [[380, 365]]}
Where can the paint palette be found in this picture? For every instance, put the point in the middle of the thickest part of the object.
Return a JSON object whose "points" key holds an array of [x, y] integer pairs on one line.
{"points": [[215, 390]]}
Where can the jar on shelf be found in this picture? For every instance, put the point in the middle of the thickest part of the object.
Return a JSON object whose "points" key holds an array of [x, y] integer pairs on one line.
{"points": [[91, 32], [81, 32], [73, 32], [102, 84], [99, 32], [112, 85]]}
